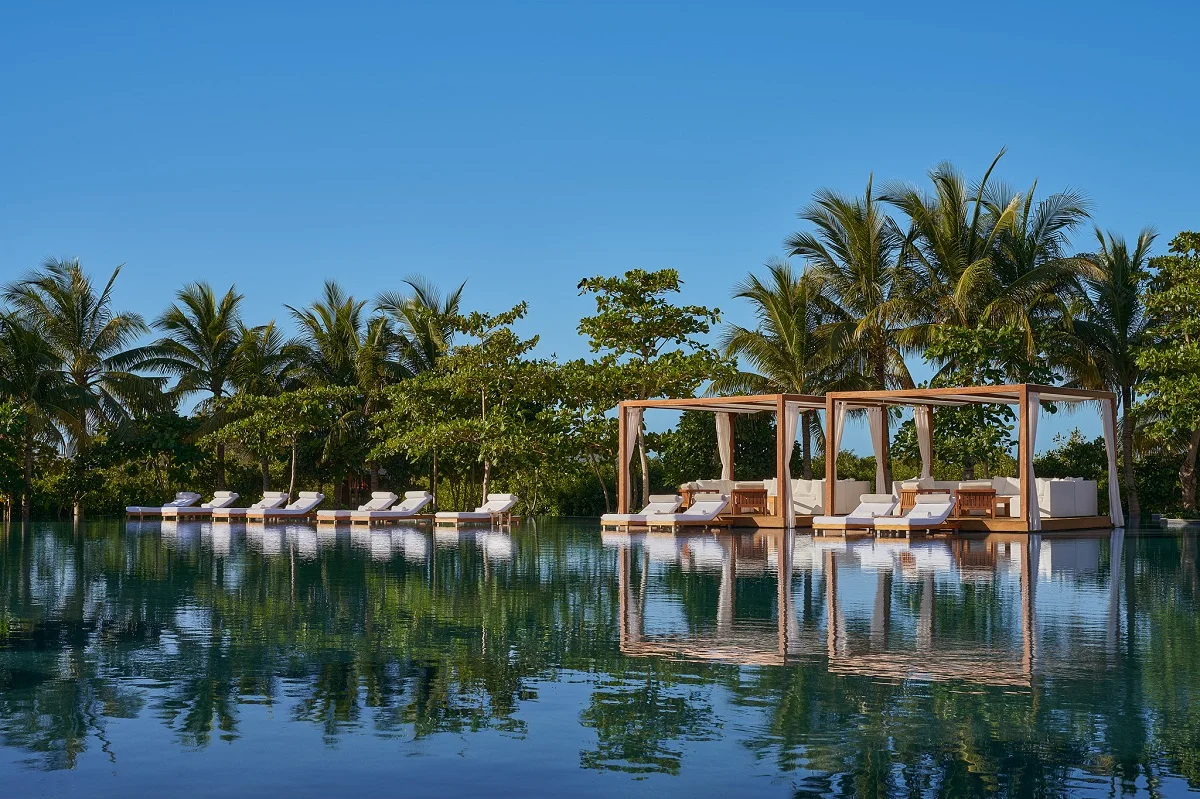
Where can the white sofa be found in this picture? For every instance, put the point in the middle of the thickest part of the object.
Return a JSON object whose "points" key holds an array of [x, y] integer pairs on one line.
{"points": [[808, 496]]}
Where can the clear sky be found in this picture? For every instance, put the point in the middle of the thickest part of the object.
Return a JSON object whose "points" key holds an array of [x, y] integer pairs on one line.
{"points": [[521, 146]]}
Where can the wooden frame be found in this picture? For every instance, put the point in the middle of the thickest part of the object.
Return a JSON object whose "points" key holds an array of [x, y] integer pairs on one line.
{"points": [[764, 403], [1016, 394]]}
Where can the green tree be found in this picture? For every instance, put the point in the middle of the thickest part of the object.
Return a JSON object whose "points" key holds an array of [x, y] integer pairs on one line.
{"points": [[1169, 354], [94, 345], [1112, 327], [655, 341], [200, 349]]}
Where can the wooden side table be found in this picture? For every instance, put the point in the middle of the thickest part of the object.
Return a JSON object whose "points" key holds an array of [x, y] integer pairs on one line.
{"points": [[745, 501], [908, 497], [973, 499]]}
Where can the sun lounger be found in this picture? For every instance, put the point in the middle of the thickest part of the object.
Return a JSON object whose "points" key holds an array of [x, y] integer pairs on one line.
{"points": [[929, 513], [182, 500], [221, 499], [271, 499], [870, 507], [413, 502], [304, 507], [703, 513], [380, 500], [497, 509], [659, 503]]}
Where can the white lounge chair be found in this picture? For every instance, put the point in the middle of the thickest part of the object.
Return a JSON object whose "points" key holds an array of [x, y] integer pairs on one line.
{"points": [[380, 500], [221, 499], [659, 503], [870, 507], [414, 502], [271, 499], [304, 507], [703, 513], [498, 508], [182, 500], [930, 512]]}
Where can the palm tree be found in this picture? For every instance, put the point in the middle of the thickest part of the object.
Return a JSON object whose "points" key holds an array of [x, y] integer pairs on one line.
{"points": [[861, 287], [338, 347], [94, 345], [1112, 325], [424, 322], [200, 350], [30, 375], [262, 365], [785, 351]]}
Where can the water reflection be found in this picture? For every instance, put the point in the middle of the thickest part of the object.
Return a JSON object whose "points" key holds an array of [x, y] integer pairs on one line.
{"points": [[997, 664]]}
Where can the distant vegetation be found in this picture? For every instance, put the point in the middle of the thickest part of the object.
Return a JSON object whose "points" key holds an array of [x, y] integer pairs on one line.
{"points": [[412, 388]]}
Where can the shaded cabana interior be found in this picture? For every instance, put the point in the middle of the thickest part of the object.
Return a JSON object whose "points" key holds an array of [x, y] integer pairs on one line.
{"points": [[1023, 503]]}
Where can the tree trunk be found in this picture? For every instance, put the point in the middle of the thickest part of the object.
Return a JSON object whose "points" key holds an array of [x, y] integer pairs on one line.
{"points": [[374, 477], [433, 480], [345, 498], [1131, 496], [27, 480], [806, 445], [77, 510], [292, 482], [600, 476], [266, 474], [881, 378], [220, 467], [487, 476], [644, 461], [1187, 473]]}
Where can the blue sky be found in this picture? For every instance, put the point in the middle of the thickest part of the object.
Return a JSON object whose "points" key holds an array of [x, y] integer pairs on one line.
{"points": [[521, 146]]}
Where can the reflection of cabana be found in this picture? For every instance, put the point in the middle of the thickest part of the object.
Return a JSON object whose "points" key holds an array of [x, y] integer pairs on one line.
{"points": [[787, 408], [1030, 512]]}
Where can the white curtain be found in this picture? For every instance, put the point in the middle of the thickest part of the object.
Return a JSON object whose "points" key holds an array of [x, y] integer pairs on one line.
{"points": [[791, 421], [832, 448], [633, 425], [725, 444], [1108, 416], [923, 418], [1031, 422], [875, 421]]}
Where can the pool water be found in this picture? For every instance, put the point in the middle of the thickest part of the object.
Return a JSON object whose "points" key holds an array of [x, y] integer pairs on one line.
{"points": [[183, 659]]}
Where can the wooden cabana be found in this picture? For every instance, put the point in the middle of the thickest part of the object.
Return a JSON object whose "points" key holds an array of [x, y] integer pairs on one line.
{"points": [[786, 407], [1028, 399]]}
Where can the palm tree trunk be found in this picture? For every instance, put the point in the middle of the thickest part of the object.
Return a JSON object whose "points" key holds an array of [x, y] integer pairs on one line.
{"points": [[1187, 473], [433, 479], [265, 464], [806, 445], [487, 476], [27, 480], [220, 467], [292, 482], [881, 378], [1131, 495], [374, 477]]}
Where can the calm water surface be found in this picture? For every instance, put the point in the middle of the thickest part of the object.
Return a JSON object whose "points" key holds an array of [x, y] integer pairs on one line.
{"points": [[192, 660]]}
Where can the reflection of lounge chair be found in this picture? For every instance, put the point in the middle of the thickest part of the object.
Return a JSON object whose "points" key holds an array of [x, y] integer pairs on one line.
{"points": [[413, 502], [379, 501], [271, 499], [497, 509], [221, 499], [659, 503], [929, 513], [304, 507], [863, 517], [182, 500], [703, 513]]}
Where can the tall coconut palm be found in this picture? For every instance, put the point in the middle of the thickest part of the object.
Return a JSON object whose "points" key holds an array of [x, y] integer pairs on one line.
{"points": [[861, 285], [785, 352], [200, 350], [1112, 325], [93, 343], [424, 322], [32, 377], [339, 346]]}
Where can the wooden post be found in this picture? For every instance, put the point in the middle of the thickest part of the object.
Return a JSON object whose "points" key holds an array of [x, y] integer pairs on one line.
{"points": [[1023, 453], [781, 475], [622, 463], [885, 429], [830, 456]]}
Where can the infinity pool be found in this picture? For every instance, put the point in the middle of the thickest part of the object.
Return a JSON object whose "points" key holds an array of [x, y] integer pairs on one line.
{"points": [[149, 659]]}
